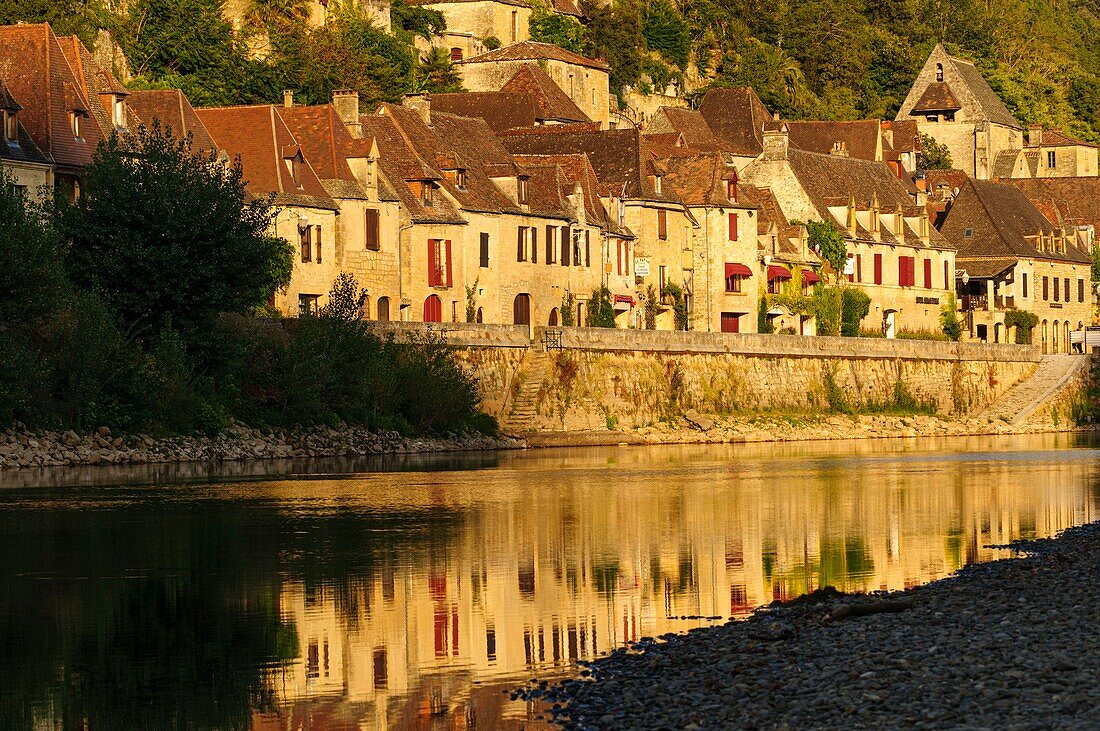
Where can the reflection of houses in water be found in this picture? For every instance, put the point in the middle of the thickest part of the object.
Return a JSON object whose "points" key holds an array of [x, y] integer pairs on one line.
{"points": [[535, 579]]}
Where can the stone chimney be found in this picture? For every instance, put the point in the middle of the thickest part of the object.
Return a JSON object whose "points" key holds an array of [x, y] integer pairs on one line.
{"points": [[288, 98], [346, 102], [840, 149], [422, 103], [1035, 135], [776, 143]]}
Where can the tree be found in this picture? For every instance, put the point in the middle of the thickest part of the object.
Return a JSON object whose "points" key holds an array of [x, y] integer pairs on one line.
{"points": [[949, 319], [827, 241], [546, 26], [679, 305], [266, 13], [666, 32], [416, 20], [933, 155], [435, 73], [164, 234], [854, 306], [614, 33], [600, 313], [345, 299]]}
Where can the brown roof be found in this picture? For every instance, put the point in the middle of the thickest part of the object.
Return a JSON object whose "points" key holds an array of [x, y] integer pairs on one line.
{"points": [[576, 170], [699, 180], [93, 80], [953, 179], [1002, 223], [938, 97], [905, 136], [860, 139], [1058, 138], [1065, 202], [530, 97], [24, 150], [553, 102], [769, 212], [479, 152], [737, 117], [987, 99], [260, 137], [535, 51], [40, 77], [690, 124], [171, 109]]}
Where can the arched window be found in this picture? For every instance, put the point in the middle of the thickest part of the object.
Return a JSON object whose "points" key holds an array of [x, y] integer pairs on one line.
{"points": [[383, 309], [553, 321], [939, 72], [433, 309]]}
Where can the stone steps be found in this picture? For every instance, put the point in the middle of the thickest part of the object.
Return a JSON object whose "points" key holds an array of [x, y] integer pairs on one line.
{"points": [[1023, 399], [523, 412]]}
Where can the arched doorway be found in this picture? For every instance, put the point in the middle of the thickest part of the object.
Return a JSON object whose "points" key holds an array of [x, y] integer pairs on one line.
{"points": [[553, 321], [383, 309], [1065, 340], [1055, 337], [521, 309], [998, 332], [433, 309], [1046, 337], [480, 316], [889, 323]]}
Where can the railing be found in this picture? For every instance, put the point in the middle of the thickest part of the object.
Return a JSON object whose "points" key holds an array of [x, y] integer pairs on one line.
{"points": [[551, 340], [972, 302]]}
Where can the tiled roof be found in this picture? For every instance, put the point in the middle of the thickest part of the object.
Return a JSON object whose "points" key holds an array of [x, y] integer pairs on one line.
{"points": [[1002, 223], [546, 195], [698, 179], [325, 140], [738, 118], [987, 99], [690, 124], [904, 135], [554, 103], [1005, 162], [93, 81], [535, 51], [953, 179], [40, 77], [171, 109], [530, 97], [1058, 138], [576, 170], [25, 150], [260, 137], [937, 97], [860, 139], [1065, 202], [768, 211]]}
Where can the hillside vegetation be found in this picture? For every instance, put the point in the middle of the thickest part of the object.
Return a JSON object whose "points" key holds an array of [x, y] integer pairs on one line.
{"points": [[829, 59]]}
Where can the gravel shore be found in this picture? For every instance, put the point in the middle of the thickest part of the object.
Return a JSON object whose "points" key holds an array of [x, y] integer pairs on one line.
{"points": [[1008, 644]]}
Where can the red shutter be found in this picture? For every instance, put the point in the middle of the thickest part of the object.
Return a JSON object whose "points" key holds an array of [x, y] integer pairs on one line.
{"points": [[733, 227], [878, 268], [433, 264], [549, 244], [587, 248], [448, 262], [534, 245], [521, 255], [928, 274], [859, 267]]}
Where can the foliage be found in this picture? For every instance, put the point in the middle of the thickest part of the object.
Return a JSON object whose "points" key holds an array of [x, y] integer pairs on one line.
{"points": [[82, 18], [652, 305], [933, 155], [547, 26], [272, 13], [666, 31], [345, 299], [903, 334], [679, 305], [828, 308], [166, 235], [491, 43], [824, 238], [471, 300], [417, 20], [949, 319], [568, 310], [764, 323], [855, 304], [600, 311], [614, 33], [1024, 322], [435, 73]]}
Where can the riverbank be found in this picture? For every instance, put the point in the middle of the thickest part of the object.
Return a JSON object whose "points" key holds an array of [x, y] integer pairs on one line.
{"points": [[1007, 644], [20, 448]]}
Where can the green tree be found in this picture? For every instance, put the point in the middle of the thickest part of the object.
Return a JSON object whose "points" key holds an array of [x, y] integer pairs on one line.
{"points": [[679, 305], [416, 20], [600, 311], [933, 155], [345, 299], [164, 234], [568, 310], [435, 73], [824, 238], [666, 31], [854, 306], [949, 319], [267, 13], [547, 26], [82, 18], [614, 33]]}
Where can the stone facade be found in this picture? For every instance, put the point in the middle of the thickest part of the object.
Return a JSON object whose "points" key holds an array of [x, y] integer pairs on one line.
{"points": [[311, 279]]}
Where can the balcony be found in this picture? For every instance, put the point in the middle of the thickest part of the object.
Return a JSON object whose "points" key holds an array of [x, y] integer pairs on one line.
{"points": [[974, 302]]}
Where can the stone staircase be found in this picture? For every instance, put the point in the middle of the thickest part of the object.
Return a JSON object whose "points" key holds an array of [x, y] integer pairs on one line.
{"points": [[522, 412], [1023, 399]]}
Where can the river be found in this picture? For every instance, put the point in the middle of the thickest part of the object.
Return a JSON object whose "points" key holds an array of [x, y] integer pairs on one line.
{"points": [[410, 592]]}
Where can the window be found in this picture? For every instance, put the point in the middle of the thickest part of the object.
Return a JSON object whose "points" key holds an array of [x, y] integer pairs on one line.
{"points": [[859, 268], [552, 246], [456, 55], [731, 190], [1052, 159], [526, 241], [484, 263], [439, 263], [1080, 290], [662, 224], [949, 117], [733, 283], [968, 232], [317, 243], [733, 227], [878, 268], [371, 235], [521, 190], [657, 184], [932, 117], [426, 193], [662, 278], [305, 239], [118, 112], [11, 128], [1057, 294], [939, 72], [308, 304], [1046, 289], [928, 274], [515, 26], [1065, 290], [731, 322], [577, 234], [74, 123], [1023, 284], [906, 274], [622, 257], [566, 243], [460, 179], [947, 283], [587, 248]]}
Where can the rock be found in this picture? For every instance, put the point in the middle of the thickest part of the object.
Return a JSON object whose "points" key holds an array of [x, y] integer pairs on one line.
{"points": [[699, 421]]}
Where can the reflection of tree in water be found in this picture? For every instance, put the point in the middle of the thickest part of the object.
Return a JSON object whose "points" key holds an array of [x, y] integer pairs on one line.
{"points": [[165, 614]]}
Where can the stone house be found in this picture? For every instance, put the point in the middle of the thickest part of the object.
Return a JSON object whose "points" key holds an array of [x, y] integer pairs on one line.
{"points": [[738, 118], [1012, 257], [1048, 153], [951, 102], [894, 143], [584, 80], [677, 131], [20, 159], [894, 253], [529, 99], [1072, 204], [347, 166], [471, 23], [275, 164], [631, 179]]}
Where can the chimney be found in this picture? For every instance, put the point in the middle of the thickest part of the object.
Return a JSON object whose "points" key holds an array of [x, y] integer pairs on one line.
{"points": [[1035, 135], [288, 98], [346, 103], [840, 149], [775, 144], [422, 103]]}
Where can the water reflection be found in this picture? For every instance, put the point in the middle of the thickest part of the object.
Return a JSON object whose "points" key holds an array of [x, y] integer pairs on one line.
{"points": [[410, 598]]}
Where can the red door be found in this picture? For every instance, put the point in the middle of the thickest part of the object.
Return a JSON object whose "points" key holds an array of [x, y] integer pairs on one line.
{"points": [[433, 309], [731, 322]]}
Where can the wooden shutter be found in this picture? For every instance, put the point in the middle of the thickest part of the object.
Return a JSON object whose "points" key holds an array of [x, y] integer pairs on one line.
{"points": [[306, 245], [372, 238], [534, 244], [549, 244], [566, 246], [1046, 288], [662, 224], [448, 255], [733, 227], [433, 263], [318, 247], [878, 268], [947, 284], [1080, 290], [859, 267], [588, 248], [928, 274], [484, 250], [1066, 290], [520, 253]]}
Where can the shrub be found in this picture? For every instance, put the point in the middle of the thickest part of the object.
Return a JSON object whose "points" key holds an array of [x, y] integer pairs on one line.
{"points": [[855, 304], [601, 312], [652, 304], [828, 309], [949, 319], [568, 310], [679, 305], [1024, 322]]}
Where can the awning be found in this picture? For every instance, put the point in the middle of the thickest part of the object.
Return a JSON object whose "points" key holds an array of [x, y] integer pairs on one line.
{"points": [[777, 272], [737, 270], [809, 277], [624, 298]]}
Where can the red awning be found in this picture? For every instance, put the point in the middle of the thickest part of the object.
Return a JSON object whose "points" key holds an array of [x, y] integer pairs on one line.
{"points": [[625, 298], [777, 272], [737, 270], [809, 277]]}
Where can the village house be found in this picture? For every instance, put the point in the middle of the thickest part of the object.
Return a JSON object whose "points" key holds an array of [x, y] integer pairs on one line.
{"points": [[894, 253], [896, 144], [584, 80], [1049, 153], [952, 103], [476, 26], [632, 183], [1072, 204], [305, 214], [1011, 257], [347, 165], [738, 118], [20, 159]]}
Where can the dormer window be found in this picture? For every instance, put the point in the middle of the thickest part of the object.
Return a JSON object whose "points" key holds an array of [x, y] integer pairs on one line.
{"points": [[939, 72], [293, 166], [74, 123], [521, 191], [11, 128], [657, 184], [731, 190], [118, 112], [460, 179], [426, 193]]}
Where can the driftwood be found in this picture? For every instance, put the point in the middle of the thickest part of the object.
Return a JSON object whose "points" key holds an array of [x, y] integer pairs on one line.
{"points": [[844, 611]]}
